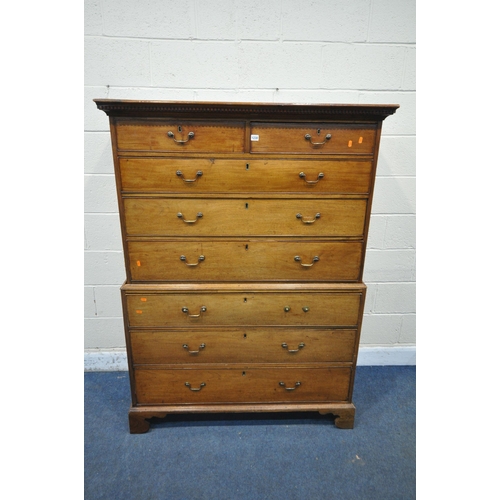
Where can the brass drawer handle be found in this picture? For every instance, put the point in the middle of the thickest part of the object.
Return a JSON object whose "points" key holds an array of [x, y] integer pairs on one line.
{"points": [[308, 221], [301, 346], [171, 135], [308, 138], [188, 385], [303, 176], [186, 311], [297, 384], [198, 174], [185, 346], [199, 215], [298, 259], [201, 258]]}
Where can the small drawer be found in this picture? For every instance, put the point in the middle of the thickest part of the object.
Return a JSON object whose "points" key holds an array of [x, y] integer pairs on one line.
{"points": [[313, 138], [180, 136], [249, 345], [244, 217], [198, 309], [247, 260], [252, 385], [215, 175]]}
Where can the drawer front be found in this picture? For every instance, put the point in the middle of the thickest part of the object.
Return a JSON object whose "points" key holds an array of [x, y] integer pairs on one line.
{"points": [[266, 385], [193, 309], [199, 175], [249, 260], [250, 345], [313, 138], [244, 217], [180, 137]]}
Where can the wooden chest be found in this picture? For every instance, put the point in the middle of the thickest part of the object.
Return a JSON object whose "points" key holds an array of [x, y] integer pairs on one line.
{"points": [[244, 233]]}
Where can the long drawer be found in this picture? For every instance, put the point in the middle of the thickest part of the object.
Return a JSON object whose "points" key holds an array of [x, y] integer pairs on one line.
{"points": [[191, 309], [215, 175], [244, 345], [246, 385], [244, 217], [180, 137], [246, 260], [312, 138]]}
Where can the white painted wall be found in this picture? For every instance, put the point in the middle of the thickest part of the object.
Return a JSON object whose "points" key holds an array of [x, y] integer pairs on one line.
{"points": [[301, 51]]}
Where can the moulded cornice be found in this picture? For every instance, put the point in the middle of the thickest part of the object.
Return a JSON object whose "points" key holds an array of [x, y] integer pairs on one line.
{"points": [[238, 110]]}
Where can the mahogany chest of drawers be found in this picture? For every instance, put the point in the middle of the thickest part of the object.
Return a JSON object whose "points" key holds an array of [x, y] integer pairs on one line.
{"points": [[244, 234]]}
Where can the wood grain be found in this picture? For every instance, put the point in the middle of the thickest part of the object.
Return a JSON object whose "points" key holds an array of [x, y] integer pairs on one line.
{"points": [[228, 309], [154, 136], [244, 217], [290, 138], [244, 345], [244, 260], [244, 175], [230, 385]]}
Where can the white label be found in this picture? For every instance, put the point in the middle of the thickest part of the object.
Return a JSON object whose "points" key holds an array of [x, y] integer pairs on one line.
{"points": [[254, 137]]}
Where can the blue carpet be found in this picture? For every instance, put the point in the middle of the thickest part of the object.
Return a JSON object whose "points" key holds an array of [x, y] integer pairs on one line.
{"points": [[299, 456]]}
